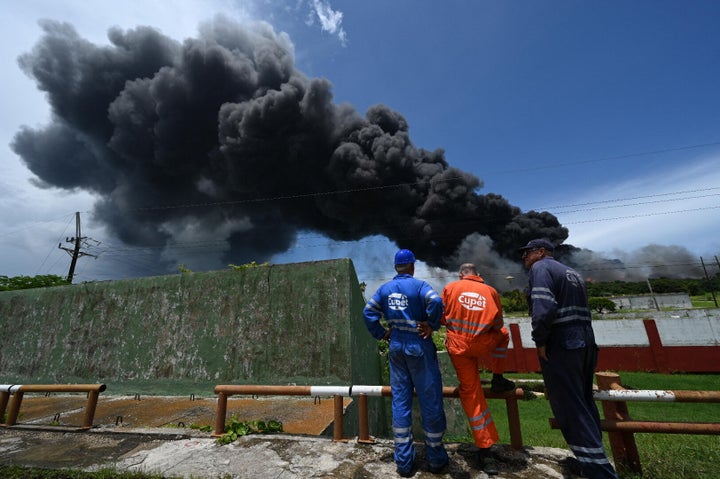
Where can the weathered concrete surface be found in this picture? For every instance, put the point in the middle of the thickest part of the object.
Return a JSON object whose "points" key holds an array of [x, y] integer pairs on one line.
{"points": [[149, 439], [193, 455], [270, 324]]}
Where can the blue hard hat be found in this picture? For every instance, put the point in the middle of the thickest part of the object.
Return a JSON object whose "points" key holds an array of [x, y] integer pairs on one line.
{"points": [[404, 256]]}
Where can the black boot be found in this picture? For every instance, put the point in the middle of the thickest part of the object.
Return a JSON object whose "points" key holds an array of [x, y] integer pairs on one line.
{"points": [[488, 463], [500, 385]]}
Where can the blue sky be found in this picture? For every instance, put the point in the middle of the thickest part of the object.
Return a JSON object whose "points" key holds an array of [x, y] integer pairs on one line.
{"points": [[605, 114]]}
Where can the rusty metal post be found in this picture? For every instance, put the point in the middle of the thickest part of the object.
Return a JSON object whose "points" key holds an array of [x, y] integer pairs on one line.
{"points": [[697, 396], [225, 390], [4, 398], [14, 408], [263, 390], [363, 420], [709, 428], [513, 414], [221, 414], [338, 430], [622, 444], [90, 408]]}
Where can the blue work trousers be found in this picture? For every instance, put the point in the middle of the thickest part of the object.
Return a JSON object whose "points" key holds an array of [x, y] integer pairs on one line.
{"points": [[568, 374], [414, 365]]}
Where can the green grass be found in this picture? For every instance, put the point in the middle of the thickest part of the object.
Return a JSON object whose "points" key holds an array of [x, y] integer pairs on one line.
{"points": [[704, 301], [18, 472], [663, 456]]}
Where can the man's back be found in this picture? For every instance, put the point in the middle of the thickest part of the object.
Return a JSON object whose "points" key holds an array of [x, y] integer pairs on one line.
{"points": [[405, 301], [558, 292], [471, 305]]}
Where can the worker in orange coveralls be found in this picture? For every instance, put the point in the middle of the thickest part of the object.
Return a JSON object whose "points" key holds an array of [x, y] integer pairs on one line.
{"points": [[474, 321]]}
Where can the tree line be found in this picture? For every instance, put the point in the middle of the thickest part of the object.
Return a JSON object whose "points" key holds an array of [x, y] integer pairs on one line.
{"points": [[691, 286], [599, 292]]}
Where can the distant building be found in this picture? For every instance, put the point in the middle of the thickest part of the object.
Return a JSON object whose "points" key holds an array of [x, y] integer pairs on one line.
{"points": [[653, 301]]}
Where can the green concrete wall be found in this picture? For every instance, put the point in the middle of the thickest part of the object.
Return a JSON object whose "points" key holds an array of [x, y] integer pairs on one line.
{"points": [[271, 324]]}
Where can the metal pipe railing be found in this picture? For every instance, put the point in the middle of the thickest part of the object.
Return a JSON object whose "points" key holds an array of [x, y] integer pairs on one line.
{"points": [[361, 392], [18, 391], [656, 395], [709, 428], [621, 427]]}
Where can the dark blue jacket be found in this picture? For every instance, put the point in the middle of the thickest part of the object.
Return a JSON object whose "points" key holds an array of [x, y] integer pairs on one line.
{"points": [[557, 299]]}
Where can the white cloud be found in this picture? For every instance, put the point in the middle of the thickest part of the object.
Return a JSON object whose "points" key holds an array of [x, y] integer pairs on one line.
{"points": [[330, 20], [669, 206]]}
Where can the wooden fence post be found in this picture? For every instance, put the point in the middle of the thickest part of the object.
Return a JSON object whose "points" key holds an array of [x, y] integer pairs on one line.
{"points": [[624, 449]]}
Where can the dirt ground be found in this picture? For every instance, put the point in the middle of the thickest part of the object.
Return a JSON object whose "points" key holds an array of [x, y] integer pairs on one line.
{"points": [[298, 415]]}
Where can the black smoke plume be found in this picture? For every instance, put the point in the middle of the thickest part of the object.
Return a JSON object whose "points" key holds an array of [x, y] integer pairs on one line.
{"points": [[222, 137]]}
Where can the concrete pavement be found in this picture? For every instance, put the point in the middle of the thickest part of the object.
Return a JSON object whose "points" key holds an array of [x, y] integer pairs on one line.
{"points": [[153, 434], [191, 454]]}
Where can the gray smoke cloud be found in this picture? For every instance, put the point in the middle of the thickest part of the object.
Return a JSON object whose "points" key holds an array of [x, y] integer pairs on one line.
{"points": [[651, 261], [221, 138], [226, 122]]}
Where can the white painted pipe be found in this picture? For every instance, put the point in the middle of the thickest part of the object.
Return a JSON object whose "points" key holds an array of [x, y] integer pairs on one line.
{"points": [[367, 390], [634, 395], [330, 390], [347, 391]]}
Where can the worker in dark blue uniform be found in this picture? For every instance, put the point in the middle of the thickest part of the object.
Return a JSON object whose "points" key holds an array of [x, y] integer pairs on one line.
{"points": [[563, 335], [412, 310]]}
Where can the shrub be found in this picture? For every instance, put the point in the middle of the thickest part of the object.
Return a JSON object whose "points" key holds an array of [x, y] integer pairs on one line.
{"points": [[602, 305]]}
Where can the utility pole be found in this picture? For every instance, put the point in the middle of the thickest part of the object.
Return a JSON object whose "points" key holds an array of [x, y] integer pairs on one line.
{"points": [[657, 306], [708, 279], [75, 252]]}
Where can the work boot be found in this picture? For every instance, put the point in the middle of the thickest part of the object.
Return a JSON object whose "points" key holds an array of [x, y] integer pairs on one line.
{"points": [[408, 473], [572, 464], [501, 385], [487, 461], [439, 468]]}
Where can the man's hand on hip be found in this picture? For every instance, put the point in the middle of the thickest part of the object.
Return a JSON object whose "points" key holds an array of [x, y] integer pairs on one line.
{"points": [[424, 329]]}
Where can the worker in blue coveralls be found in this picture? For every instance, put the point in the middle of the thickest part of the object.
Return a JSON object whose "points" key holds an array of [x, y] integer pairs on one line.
{"points": [[412, 310], [563, 335]]}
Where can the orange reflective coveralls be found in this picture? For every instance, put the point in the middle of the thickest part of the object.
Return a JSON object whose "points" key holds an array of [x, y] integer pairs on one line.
{"points": [[474, 321]]}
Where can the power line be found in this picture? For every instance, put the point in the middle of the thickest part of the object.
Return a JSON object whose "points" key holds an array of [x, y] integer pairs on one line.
{"points": [[53, 248], [203, 244], [617, 200], [215, 245], [399, 185], [122, 254], [37, 223], [642, 215], [638, 204], [415, 183], [610, 158]]}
